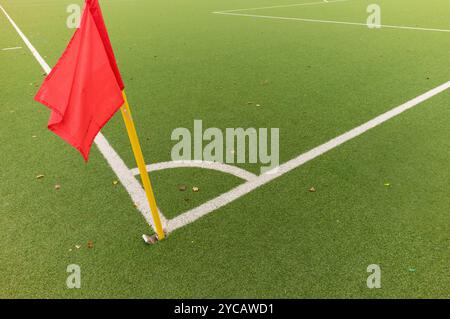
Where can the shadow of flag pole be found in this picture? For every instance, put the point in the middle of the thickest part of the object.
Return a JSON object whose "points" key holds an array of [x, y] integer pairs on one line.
{"points": [[135, 145]]}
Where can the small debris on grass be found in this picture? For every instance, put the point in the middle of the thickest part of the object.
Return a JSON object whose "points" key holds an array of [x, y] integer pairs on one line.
{"points": [[77, 246], [90, 244], [135, 205], [115, 183], [40, 176], [33, 136], [387, 184], [195, 189], [249, 103], [150, 239], [57, 187], [182, 188], [412, 269], [258, 105], [312, 190]]}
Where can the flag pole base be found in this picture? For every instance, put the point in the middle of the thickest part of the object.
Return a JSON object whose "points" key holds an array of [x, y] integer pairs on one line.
{"points": [[150, 240]]}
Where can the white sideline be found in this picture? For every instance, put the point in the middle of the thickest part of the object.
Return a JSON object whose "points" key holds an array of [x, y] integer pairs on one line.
{"points": [[36, 54], [123, 173], [224, 199], [127, 179], [282, 6], [233, 13], [225, 168], [332, 22]]}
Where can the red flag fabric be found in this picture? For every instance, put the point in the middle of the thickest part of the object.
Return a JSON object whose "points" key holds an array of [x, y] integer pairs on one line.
{"points": [[84, 89], [99, 22]]}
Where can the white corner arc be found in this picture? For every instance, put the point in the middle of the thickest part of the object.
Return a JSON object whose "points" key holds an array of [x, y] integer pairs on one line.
{"points": [[221, 167]]}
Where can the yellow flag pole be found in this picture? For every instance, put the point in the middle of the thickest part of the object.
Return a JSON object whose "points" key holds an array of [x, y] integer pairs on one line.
{"points": [[135, 145]]}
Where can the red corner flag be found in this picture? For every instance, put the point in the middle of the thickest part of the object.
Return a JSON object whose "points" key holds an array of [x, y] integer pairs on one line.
{"points": [[84, 89]]}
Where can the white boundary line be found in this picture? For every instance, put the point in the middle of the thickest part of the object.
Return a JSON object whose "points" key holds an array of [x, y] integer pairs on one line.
{"points": [[332, 22], [282, 6], [233, 13], [226, 198], [36, 54], [126, 177], [225, 168], [123, 173], [12, 48]]}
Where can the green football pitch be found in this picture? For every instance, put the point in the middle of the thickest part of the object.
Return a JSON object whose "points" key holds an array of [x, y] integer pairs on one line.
{"points": [[311, 68]]}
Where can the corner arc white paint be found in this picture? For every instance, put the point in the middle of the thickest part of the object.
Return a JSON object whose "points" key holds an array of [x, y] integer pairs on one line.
{"points": [[221, 167]]}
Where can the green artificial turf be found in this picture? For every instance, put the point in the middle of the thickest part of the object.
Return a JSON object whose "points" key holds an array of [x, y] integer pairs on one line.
{"points": [[313, 81]]}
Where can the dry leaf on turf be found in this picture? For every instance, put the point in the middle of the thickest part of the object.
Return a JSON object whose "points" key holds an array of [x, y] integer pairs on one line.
{"points": [[312, 190], [195, 189], [90, 244], [57, 187], [39, 176], [182, 188], [115, 182]]}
